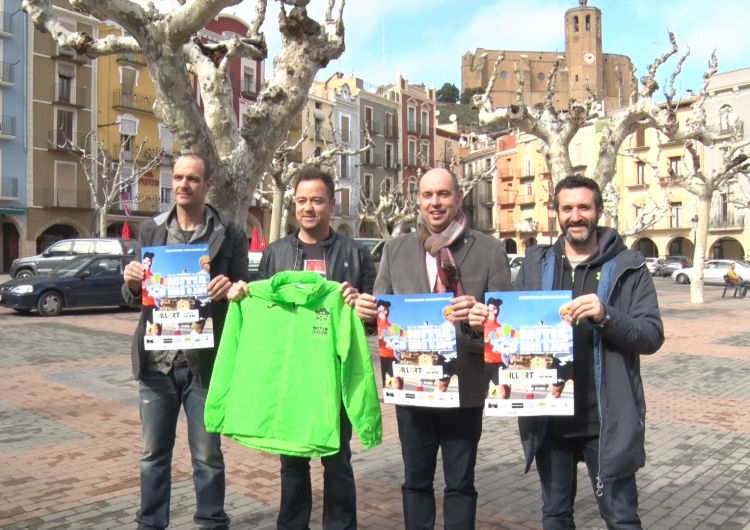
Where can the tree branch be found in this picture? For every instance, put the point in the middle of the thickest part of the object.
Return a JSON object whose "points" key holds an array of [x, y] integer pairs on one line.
{"points": [[191, 17]]}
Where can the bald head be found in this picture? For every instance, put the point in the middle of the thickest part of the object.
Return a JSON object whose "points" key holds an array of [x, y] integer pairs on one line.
{"points": [[439, 199], [442, 172]]}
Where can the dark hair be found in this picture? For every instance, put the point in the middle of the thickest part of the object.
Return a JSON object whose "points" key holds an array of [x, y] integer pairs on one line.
{"points": [[204, 161], [384, 303], [149, 255], [574, 181], [308, 173], [496, 302]]}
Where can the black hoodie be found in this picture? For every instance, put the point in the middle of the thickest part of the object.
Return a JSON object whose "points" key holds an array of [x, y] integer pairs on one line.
{"points": [[583, 280]]}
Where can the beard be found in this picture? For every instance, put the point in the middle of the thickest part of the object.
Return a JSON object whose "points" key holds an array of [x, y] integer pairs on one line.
{"points": [[590, 229]]}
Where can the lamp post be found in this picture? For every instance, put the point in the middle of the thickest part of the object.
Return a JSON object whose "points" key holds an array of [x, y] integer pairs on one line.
{"points": [[550, 219], [694, 221]]}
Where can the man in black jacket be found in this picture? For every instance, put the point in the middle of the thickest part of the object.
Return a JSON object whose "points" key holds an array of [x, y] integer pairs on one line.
{"points": [[316, 247], [168, 380], [615, 316]]}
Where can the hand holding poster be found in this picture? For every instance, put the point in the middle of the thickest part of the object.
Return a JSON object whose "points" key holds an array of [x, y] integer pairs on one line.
{"points": [[528, 354], [417, 344], [175, 297]]}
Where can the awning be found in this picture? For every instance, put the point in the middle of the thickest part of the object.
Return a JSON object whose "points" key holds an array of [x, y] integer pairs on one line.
{"points": [[319, 116], [12, 211]]}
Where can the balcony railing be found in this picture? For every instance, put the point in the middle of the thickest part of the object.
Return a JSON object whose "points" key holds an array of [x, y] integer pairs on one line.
{"points": [[148, 204], [248, 87], [67, 94], [425, 129], [6, 22], [165, 206], [66, 198], [9, 188], [62, 140], [347, 171], [391, 131], [527, 226], [132, 58], [526, 199], [373, 127], [485, 224], [506, 198], [412, 127], [133, 101], [130, 153], [371, 159], [7, 73], [323, 135], [527, 176], [731, 221], [509, 174], [486, 198], [7, 125]]}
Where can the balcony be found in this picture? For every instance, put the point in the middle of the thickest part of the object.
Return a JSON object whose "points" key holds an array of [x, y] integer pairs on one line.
{"points": [[133, 101], [425, 130], [66, 198], [6, 24], [527, 176], [8, 188], [412, 126], [345, 210], [487, 197], [7, 127], [130, 153], [371, 159], [323, 135], [506, 227], [731, 221], [527, 226], [507, 198], [67, 94], [62, 140], [391, 131], [248, 88], [509, 174], [145, 205], [526, 199], [373, 127], [344, 136], [136, 59], [7, 74], [485, 224], [347, 171]]}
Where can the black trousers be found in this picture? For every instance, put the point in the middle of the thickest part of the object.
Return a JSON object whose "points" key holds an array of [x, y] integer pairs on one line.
{"points": [[456, 433]]}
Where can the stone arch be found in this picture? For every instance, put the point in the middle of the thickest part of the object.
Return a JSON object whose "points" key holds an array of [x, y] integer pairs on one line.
{"points": [[529, 242], [20, 227], [726, 248], [253, 222], [79, 227], [646, 246], [511, 247], [114, 229], [680, 246], [345, 229]]}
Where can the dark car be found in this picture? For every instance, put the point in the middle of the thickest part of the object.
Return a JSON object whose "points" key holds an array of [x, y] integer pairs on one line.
{"points": [[67, 249], [374, 245], [674, 263], [83, 281]]}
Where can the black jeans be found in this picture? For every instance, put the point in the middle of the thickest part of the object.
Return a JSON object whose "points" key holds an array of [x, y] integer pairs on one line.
{"points": [[557, 462], [339, 493], [456, 432]]}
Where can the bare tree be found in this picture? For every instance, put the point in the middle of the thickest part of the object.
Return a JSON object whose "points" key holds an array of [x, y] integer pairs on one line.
{"points": [[107, 186], [167, 37]]}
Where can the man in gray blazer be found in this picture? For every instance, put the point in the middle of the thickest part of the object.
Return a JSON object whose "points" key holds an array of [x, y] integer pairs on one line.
{"points": [[442, 256]]}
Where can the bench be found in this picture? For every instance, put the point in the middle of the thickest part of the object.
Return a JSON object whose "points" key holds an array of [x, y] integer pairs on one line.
{"points": [[730, 284]]}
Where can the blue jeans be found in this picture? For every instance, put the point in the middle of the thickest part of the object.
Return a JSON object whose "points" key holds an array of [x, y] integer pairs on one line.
{"points": [[456, 433], [339, 492], [160, 399], [557, 462]]}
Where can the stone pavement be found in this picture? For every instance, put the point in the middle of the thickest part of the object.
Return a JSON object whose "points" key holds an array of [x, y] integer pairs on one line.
{"points": [[70, 435]]}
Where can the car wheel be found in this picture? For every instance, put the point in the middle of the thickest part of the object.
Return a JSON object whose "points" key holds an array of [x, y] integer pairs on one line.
{"points": [[23, 274], [50, 304], [682, 278]]}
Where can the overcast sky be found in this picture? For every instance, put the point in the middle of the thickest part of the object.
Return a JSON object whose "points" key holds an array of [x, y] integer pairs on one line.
{"points": [[425, 39]]}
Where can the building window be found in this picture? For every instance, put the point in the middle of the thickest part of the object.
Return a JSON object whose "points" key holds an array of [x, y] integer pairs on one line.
{"points": [[726, 119], [425, 156], [318, 106], [388, 156], [368, 118], [412, 153], [575, 23], [640, 138], [387, 184], [248, 80], [675, 166], [724, 207], [412, 119], [504, 74], [367, 188], [676, 214], [528, 167], [588, 22], [344, 166], [529, 189], [425, 123], [166, 196], [641, 173], [413, 187], [541, 76], [318, 129], [65, 127], [345, 136]]}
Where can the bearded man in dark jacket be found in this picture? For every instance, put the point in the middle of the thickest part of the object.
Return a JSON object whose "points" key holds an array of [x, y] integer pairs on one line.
{"points": [[616, 319]]}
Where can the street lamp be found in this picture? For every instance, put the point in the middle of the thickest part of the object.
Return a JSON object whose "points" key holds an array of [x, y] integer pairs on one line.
{"points": [[550, 219], [694, 220]]}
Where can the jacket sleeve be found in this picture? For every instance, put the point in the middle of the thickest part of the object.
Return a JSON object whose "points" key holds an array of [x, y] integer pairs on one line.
{"points": [[239, 264], [640, 330], [131, 298], [359, 392], [368, 272], [219, 387], [499, 279], [383, 283], [266, 264]]}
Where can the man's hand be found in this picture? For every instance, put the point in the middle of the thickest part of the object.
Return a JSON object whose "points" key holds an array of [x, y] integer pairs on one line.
{"points": [[238, 291], [219, 287], [366, 308], [478, 316], [133, 276], [349, 293], [461, 307], [587, 306]]}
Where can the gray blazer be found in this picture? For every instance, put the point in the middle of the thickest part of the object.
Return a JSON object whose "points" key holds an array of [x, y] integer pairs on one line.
{"points": [[482, 266]]}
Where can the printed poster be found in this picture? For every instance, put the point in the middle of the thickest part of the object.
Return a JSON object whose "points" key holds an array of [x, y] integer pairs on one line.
{"points": [[175, 297], [417, 344], [528, 354]]}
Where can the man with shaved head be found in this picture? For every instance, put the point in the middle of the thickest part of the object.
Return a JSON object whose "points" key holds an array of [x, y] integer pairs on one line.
{"points": [[449, 258]]}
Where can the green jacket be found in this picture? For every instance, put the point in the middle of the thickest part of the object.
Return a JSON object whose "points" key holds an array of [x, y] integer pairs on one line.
{"points": [[289, 355]]}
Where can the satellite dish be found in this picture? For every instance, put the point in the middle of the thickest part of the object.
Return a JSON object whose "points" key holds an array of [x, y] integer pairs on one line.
{"points": [[452, 117], [437, 113]]}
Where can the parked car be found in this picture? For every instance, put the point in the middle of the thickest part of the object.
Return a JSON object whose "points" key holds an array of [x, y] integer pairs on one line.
{"points": [[514, 261], [253, 257], [654, 265], [675, 263], [374, 245], [67, 249], [82, 281], [713, 272]]}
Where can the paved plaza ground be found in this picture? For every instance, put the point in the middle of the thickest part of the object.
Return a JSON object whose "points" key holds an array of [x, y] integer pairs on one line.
{"points": [[70, 435]]}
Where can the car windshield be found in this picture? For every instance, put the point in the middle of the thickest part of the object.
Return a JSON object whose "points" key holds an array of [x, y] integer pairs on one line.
{"points": [[71, 267], [369, 244]]}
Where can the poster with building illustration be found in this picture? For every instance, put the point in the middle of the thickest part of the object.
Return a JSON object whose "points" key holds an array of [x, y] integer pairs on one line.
{"points": [[174, 297], [528, 354], [417, 344]]}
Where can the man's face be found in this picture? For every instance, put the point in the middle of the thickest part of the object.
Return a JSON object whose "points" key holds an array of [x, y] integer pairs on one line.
{"points": [[577, 214], [314, 207], [147, 263], [438, 200], [383, 312], [188, 184], [494, 311]]}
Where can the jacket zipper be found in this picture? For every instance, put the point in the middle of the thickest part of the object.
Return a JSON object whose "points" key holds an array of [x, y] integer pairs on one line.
{"points": [[599, 483], [286, 364], [325, 261]]}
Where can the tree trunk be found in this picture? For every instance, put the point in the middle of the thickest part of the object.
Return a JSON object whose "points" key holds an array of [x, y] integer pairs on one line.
{"points": [[102, 218], [701, 240], [278, 205], [284, 220]]}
